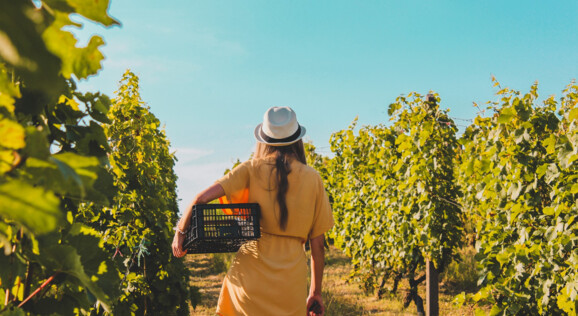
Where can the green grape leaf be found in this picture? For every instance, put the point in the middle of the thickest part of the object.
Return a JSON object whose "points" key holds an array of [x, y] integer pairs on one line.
{"points": [[515, 190], [566, 303], [8, 90], [80, 61], [65, 259], [11, 268], [552, 173], [574, 188], [33, 207], [368, 240], [95, 260], [36, 144], [506, 115], [69, 303], [90, 140], [573, 115], [99, 108], [67, 173], [565, 154], [93, 10], [11, 134], [496, 310], [23, 48], [84, 167], [15, 311], [549, 211]]}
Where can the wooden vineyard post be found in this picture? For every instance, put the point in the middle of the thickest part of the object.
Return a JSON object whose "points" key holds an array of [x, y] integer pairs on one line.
{"points": [[432, 290], [432, 284]]}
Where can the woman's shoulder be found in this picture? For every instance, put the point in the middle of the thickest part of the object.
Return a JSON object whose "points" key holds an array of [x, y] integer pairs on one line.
{"points": [[256, 162], [307, 170], [302, 168]]}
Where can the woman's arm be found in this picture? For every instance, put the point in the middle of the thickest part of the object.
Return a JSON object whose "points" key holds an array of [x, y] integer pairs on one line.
{"points": [[215, 191], [317, 266]]}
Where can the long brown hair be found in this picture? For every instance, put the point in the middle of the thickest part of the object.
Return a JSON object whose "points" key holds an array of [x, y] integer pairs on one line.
{"points": [[283, 156]]}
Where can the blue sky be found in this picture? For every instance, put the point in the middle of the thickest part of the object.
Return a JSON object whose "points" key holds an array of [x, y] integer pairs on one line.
{"points": [[210, 69]]}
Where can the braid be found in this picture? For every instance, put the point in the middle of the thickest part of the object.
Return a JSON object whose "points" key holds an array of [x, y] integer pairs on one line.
{"points": [[283, 169], [283, 156]]}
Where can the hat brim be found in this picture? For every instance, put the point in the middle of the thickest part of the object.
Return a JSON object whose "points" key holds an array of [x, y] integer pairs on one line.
{"points": [[261, 140]]}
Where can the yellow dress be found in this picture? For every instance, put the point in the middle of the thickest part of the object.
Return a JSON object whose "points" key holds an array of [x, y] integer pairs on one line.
{"points": [[269, 276]]}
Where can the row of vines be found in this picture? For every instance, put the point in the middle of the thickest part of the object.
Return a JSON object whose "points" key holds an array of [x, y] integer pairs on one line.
{"points": [[87, 188], [414, 191]]}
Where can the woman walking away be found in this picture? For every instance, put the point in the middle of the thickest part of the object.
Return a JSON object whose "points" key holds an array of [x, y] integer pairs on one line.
{"points": [[269, 275]]}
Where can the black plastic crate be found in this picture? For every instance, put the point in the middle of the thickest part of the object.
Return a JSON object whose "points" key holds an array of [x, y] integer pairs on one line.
{"points": [[218, 228]]}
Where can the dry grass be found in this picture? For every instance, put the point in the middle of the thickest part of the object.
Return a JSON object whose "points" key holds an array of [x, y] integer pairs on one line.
{"points": [[342, 296], [207, 279]]}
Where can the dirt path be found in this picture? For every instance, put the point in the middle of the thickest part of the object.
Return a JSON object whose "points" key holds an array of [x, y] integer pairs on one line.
{"points": [[207, 279], [342, 297]]}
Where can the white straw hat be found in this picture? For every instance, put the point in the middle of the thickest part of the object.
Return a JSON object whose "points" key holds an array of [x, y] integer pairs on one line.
{"points": [[279, 127]]}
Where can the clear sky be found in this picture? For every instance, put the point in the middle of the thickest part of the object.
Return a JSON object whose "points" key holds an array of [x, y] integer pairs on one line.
{"points": [[209, 69]]}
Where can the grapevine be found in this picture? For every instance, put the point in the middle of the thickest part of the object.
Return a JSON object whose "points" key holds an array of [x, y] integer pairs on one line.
{"points": [[394, 195]]}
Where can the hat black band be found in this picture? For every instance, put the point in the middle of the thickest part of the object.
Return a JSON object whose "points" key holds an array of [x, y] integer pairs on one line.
{"points": [[282, 140]]}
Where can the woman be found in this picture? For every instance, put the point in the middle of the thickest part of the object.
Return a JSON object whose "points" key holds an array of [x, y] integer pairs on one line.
{"points": [[269, 276]]}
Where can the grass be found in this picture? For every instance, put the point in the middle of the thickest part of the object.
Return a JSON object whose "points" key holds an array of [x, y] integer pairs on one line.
{"points": [[207, 277], [342, 296], [462, 275]]}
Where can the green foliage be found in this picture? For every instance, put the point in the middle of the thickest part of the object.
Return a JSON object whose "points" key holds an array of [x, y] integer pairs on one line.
{"points": [[138, 226], [221, 262], [394, 193], [519, 175], [35, 208], [86, 211], [315, 160], [40, 52], [52, 157], [462, 275], [427, 148], [358, 182]]}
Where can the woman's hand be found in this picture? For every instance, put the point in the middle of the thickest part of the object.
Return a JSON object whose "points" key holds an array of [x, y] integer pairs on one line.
{"points": [[317, 265], [315, 305], [178, 245], [213, 192]]}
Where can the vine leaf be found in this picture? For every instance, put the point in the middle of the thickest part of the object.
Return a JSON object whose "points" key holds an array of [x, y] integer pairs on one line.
{"points": [[68, 174], [506, 115], [35, 208], [66, 259], [94, 258], [80, 61], [24, 49], [93, 10], [11, 134]]}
